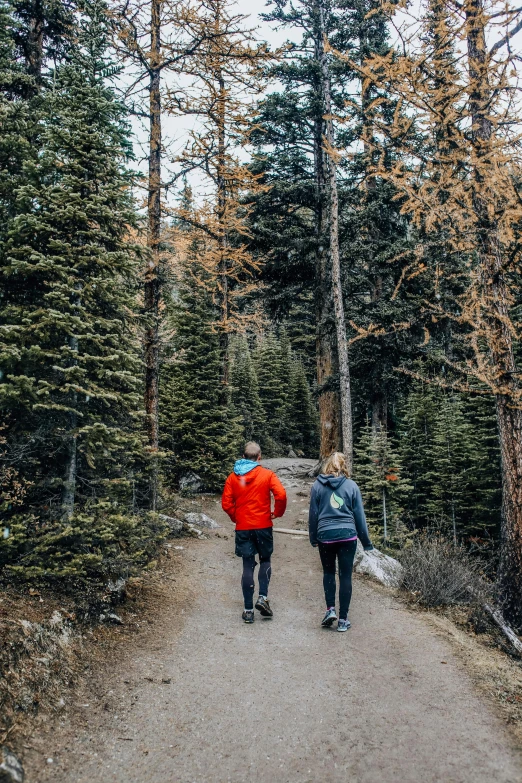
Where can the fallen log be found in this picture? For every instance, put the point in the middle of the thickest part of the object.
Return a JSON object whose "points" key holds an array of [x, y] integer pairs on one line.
{"points": [[497, 617], [290, 532]]}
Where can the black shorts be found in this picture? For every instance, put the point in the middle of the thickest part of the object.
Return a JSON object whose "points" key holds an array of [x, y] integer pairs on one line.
{"points": [[255, 542]]}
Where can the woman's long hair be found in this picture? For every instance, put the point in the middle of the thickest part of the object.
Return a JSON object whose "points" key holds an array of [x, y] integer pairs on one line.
{"points": [[335, 465]]}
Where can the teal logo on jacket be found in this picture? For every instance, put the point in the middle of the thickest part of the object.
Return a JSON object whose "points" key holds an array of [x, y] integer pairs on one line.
{"points": [[336, 501]]}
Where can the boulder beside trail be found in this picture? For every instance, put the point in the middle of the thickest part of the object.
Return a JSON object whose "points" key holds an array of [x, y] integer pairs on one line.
{"points": [[378, 566], [201, 520], [191, 482], [175, 525], [290, 466], [11, 770]]}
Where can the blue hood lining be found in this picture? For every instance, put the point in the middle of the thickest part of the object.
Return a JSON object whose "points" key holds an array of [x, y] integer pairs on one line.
{"points": [[244, 466]]}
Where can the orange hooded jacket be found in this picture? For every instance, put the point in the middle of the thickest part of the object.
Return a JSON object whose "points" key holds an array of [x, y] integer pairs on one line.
{"points": [[247, 499]]}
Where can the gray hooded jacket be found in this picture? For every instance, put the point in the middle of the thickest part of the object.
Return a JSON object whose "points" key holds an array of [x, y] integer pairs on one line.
{"points": [[336, 504]]}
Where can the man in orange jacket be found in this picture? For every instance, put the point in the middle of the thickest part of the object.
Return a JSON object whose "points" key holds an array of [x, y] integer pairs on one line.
{"points": [[247, 499]]}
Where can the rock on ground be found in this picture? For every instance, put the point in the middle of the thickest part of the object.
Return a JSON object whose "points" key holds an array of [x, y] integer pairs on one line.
{"points": [[201, 520], [378, 566], [175, 525], [11, 770], [287, 466], [191, 482]]}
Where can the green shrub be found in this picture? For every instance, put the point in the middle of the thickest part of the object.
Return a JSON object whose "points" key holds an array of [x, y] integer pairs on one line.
{"points": [[89, 548]]}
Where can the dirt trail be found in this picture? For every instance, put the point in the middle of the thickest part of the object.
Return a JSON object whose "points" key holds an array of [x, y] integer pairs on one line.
{"points": [[282, 701]]}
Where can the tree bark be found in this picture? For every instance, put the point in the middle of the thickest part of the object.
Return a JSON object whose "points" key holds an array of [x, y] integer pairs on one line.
{"points": [[152, 285], [222, 234], [69, 484], [379, 401], [337, 292], [379, 411], [495, 294], [328, 397], [35, 41]]}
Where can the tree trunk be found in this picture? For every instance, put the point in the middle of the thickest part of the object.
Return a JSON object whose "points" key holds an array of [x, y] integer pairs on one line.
{"points": [[223, 271], [510, 571], [328, 398], [69, 484], [379, 411], [379, 401], [337, 292], [495, 294], [34, 57], [152, 287]]}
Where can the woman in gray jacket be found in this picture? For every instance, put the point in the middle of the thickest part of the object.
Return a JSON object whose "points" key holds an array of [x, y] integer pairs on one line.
{"points": [[336, 519]]}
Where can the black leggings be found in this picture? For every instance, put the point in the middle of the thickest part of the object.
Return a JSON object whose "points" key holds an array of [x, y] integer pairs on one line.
{"points": [[344, 552], [247, 581]]}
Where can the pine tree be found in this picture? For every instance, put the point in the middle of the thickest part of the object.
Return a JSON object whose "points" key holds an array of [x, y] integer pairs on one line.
{"points": [[155, 38], [415, 434], [244, 387], [384, 485], [302, 423], [451, 470], [200, 430], [71, 371], [272, 373], [226, 75], [471, 193], [484, 522], [449, 447]]}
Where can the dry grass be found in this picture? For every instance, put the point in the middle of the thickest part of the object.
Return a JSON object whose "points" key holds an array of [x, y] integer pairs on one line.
{"points": [[436, 573], [39, 656]]}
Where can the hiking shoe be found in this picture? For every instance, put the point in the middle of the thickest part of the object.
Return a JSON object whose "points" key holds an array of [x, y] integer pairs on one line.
{"points": [[343, 625], [329, 618], [248, 616], [264, 607]]}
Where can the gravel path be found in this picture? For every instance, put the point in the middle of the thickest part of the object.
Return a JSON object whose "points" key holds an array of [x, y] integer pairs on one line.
{"points": [[282, 701]]}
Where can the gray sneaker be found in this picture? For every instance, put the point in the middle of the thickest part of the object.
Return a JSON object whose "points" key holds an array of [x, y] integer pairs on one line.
{"points": [[248, 616], [343, 625], [263, 606], [329, 618]]}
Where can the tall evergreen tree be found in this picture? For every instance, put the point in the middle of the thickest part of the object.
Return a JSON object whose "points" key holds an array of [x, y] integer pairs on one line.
{"points": [[71, 370], [272, 373], [449, 448], [289, 222], [452, 463], [383, 482], [244, 386], [302, 422]]}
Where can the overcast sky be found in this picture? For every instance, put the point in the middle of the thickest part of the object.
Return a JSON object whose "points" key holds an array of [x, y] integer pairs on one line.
{"points": [[176, 129]]}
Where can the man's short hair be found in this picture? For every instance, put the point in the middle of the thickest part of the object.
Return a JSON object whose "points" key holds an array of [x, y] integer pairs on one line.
{"points": [[252, 450]]}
